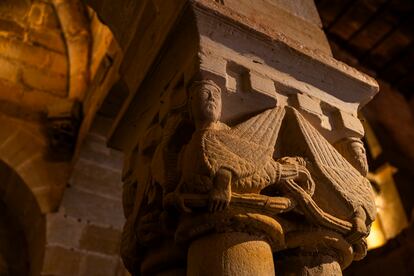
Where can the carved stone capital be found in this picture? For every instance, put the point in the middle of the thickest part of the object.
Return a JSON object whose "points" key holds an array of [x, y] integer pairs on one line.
{"points": [[259, 148]]}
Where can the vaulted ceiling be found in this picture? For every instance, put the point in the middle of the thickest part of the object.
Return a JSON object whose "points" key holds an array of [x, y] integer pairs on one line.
{"points": [[377, 36]]}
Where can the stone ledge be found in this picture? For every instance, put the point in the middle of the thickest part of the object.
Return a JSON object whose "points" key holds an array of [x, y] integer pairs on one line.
{"points": [[280, 58]]}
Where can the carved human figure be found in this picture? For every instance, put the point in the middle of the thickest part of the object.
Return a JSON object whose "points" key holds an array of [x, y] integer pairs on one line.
{"points": [[220, 160], [353, 150], [213, 165]]}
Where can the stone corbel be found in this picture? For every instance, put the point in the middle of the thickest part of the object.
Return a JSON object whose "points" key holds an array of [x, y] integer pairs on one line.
{"points": [[63, 122]]}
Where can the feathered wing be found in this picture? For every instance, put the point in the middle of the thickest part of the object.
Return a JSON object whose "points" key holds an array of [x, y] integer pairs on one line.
{"points": [[340, 188], [245, 148], [262, 129]]}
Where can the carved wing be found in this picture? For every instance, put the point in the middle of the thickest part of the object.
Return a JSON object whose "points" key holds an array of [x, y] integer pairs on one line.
{"points": [[340, 188], [261, 129], [247, 147]]}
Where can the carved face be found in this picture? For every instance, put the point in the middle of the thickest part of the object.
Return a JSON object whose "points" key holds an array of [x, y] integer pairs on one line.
{"points": [[205, 102], [358, 148]]}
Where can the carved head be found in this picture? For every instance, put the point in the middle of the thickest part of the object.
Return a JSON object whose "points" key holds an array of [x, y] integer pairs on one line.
{"points": [[205, 101], [354, 151]]}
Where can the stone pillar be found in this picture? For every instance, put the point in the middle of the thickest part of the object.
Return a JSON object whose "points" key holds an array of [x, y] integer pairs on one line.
{"points": [[230, 254], [309, 265], [243, 149]]}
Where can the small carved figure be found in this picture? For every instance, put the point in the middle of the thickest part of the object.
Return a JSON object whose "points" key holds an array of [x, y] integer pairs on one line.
{"points": [[343, 197], [353, 150], [220, 165], [219, 160]]}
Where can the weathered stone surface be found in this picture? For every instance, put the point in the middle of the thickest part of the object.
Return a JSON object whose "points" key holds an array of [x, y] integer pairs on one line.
{"points": [[43, 14], [75, 27], [18, 8], [92, 177], [45, 81], [88, 215], [227, 255], [239, 130], [53, 264], [100, 239], [315, 265], [8, 70], [63, 230], [299, 19], [33, 56], [10, 28], [90, 207], [24, 149], [98, 265], [105, 157], [302, 8], [52, 39]]}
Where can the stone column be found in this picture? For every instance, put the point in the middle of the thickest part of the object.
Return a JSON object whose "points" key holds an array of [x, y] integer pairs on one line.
{"points": [[309, 265], [234, 253], [243, 148]]}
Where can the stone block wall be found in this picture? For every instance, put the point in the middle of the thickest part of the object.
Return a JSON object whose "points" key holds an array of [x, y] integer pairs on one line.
{"points": [[83, 237], [105, 59], [52, 52]]}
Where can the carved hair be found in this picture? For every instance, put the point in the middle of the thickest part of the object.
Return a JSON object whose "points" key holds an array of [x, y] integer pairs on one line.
{"points": [[196, 84]]}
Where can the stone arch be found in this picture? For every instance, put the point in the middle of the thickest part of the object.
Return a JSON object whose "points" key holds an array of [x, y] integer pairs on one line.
{"points": [[24, 148], [23, 209], [14, 258], [74, 22]]}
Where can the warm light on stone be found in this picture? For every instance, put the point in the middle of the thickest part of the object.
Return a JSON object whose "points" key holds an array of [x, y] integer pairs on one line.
{"points": [[200, 137], [376, 238], [391, 218]]}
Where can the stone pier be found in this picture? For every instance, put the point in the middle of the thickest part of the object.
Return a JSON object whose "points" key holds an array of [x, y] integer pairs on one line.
{"points": [[242, 143]]}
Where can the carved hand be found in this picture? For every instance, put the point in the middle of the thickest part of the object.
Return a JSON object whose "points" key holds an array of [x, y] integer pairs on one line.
{"points": [[220, 195], [304, 179], [295, 168]]}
